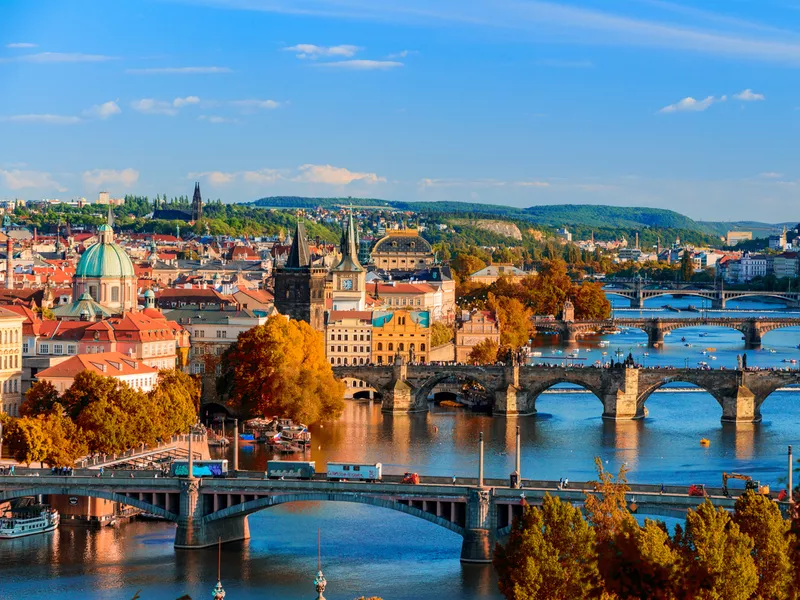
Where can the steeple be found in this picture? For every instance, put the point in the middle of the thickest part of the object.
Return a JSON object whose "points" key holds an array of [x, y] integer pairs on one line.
{"points": [[299, 254], [110, 217], [197, 203], [349, 247]]}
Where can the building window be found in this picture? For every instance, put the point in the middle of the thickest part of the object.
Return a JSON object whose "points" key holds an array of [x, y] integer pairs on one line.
{"points": [[422, 347], [115, 293], [380, 346], [58, 348], [400, 347], [391, 347], [221, 333], [71, 349], [24, 347], [44, 348]]}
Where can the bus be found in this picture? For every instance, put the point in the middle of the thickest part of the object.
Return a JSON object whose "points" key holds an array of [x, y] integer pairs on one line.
{"points": [[200, 468]]}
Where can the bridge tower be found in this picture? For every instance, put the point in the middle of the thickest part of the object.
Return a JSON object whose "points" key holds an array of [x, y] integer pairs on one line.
{"points": [[510, 398], [399, 396]]}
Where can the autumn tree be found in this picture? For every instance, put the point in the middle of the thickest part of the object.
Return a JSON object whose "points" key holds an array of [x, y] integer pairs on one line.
{"points": [[280, 368], [760, 518], [27, 440], [716, 556], [590, 301], [176, 399], [515, 320], [39, 399], [106, 427], [464, 265], [441, 334], [484, 353], [65, 441], [87, 387], [550, 554]]}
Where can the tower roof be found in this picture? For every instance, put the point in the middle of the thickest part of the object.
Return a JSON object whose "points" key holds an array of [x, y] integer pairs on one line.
{"points": [[349, 260], [197, 198], [299, 254]]}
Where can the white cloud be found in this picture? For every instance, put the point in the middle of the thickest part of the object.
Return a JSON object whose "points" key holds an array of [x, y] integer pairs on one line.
{"points": [[771, 175], [401, 54], [313, 52], [21, 45], [42, 118], [689, 104], [216, 119], [18, 180], [103, 177], [58, 57], [251, 106], [749, 96], [103, 111], [308, 173], [361, 65], [151, 106], [181, 102], [179, 71], [334, 175]]}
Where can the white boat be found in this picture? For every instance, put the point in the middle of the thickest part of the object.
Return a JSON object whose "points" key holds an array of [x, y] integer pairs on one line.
{"points": [[604, 343], [29, 520]]}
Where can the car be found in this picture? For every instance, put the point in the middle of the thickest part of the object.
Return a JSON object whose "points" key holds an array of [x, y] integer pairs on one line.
{"points": [[412, 478], [698, 489]]}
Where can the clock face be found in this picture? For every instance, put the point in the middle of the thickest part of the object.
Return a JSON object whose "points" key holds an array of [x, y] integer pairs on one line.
{"points": [[347, 284]]}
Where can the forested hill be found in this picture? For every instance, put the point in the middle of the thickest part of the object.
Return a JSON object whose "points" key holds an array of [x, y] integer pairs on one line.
{"points": [[553, 215]]}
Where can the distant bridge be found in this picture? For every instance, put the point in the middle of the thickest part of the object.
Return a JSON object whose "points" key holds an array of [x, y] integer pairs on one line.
{"points": [[208, 510], [753, 329], [622, 391], [637, 291]]}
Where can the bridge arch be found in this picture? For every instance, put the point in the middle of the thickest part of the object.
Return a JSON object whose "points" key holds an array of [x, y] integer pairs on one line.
{"points": [[252, 506], [733, 295], [423, 390], [684, 377], [54, 490]]}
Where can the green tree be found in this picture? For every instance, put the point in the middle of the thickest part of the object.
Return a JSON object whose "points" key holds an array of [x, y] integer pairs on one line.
{"points": [[760, 518], [484, 352], [39, 399], [87, 387], [550, 554], [716, 556], [280, 368], [441, 334]]}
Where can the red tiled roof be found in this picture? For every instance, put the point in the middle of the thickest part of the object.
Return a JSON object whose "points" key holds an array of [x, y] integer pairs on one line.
{"points": [[109, 364]]}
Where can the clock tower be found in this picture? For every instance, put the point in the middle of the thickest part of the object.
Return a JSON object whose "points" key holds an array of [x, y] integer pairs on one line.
{"points": [[349, 277]]}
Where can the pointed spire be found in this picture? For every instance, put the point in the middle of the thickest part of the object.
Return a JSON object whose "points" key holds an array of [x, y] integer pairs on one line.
{"points": [[110, 217], [299, 254], [349, 247]]}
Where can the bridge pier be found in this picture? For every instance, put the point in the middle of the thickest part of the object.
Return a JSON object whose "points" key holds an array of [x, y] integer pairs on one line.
{"points": [[719, 303], [655, 336], [568, 334], [620, 401], [511, 399], [638, 300], [752, 335], [740, 407], [478, 543], [194, 531]]}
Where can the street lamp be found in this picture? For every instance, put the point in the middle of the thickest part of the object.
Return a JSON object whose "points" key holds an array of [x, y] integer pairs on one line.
{"points": [[1, 441]]}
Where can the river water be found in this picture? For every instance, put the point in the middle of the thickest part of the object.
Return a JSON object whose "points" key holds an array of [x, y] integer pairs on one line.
{"points": [[373, 551]]}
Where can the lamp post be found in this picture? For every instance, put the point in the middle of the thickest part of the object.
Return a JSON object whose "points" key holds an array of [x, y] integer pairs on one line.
{"points": [[1, 441], [791, 491], [480, 460]]}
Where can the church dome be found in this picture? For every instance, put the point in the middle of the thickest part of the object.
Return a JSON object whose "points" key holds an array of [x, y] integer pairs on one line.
{"points": [[105, 259]]}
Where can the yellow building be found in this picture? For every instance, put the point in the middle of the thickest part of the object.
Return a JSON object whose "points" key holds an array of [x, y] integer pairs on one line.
{"points": [[10, 361], [402, 332]]}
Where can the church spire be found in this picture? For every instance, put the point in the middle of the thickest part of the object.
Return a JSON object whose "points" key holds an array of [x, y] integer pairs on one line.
{"points": [[299, 254], [197, 203], [349, 247]]}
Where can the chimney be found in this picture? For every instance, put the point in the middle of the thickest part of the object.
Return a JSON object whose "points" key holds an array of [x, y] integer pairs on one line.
{"points": [[9, 267]]}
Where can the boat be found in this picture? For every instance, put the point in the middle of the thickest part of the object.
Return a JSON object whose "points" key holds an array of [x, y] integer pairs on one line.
{"points": [[683, 339], [604, 343], [711, 349], [293, 433], [247, 438], [451, 404], [29, 520], [219, 442], [705, 442], [704, 334]]}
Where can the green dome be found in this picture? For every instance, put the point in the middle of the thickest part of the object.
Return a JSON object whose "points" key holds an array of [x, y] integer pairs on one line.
{"points": [[149, 293], [105, 259]]}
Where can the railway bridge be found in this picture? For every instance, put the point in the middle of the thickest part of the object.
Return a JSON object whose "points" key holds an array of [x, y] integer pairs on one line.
{"points": [[207, 510], [622, 391], [752, 329]]}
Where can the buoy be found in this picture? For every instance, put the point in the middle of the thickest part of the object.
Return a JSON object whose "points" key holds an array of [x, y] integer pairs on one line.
{"points": [[705, 442]]}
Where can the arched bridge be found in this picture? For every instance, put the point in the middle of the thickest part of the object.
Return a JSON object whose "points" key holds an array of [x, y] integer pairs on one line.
{"points": [[638, 291], [753, 329], [622, 391], [208, 510]]}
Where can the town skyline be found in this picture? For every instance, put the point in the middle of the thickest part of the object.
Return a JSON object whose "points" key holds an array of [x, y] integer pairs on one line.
{"points": [[653, 104]]}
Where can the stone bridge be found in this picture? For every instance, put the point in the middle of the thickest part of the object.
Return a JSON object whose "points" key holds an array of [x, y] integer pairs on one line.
{"points": [[753, 329], [208, 510], [638, 291], [622, 391]]}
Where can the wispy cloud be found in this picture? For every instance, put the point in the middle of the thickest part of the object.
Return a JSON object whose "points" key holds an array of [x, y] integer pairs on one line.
{"points": [[749, 96], [308, 173], [98, 178], [103, 111], [58, 57], [251, 106], [726, 37], [179, 71], [151, 106], [17, 179], [42, 118], [689, 104], [313, 52], [771, 175], [216, 119], [361, 65], [401, 54], [21, 45]]}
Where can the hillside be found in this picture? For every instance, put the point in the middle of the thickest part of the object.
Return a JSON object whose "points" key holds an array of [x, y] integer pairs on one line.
{"points": [[612, 216]]}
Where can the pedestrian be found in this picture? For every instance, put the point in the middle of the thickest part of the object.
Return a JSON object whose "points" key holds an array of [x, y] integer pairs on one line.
{"points": [[662, 489], [560, 483], [566, 482], [454, 479]]}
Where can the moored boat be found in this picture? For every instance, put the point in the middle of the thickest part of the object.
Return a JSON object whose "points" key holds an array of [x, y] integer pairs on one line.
{"points": [[29, 520]]}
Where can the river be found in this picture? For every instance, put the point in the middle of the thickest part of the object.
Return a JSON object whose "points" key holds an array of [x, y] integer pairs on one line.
{"points": [[373, 551]]}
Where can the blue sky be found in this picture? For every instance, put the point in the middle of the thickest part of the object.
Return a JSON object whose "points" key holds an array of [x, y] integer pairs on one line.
{"points": [[693, 106]]}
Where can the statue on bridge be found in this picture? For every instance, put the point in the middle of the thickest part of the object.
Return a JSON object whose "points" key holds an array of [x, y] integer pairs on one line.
{"points": [[739, 362]]}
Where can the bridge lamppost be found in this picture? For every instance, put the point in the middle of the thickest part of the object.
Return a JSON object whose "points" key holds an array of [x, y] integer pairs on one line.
{"points": [[480, 460], [1, 441], [791, 490]]}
